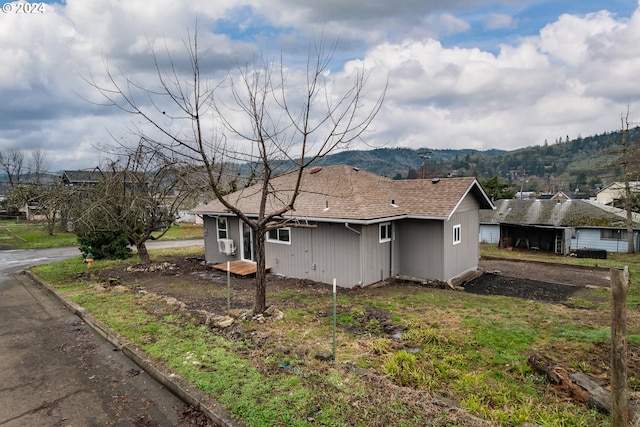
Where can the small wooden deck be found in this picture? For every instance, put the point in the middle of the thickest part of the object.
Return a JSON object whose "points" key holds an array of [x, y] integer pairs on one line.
{"points": [[240, 268]]}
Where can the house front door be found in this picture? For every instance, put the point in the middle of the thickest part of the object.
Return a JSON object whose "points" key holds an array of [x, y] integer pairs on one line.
{"points": [[248, 247]]}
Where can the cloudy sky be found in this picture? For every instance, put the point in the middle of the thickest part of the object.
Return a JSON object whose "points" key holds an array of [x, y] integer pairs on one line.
{"points": [[461, 73]]}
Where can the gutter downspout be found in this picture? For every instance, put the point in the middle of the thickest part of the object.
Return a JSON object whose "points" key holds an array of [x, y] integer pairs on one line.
{"points": [[348, 227]]}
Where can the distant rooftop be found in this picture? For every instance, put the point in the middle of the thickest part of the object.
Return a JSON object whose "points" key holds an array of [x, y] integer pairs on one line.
{"points": [[569, 213]]}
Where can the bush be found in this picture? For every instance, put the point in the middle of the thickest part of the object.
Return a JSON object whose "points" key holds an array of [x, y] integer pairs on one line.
{"points": [[104, 245]]}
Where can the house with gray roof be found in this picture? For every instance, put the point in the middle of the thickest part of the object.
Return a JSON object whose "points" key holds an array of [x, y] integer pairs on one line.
{"points": [[86, 177], [570, 195], [356, 227], [557, 226]]}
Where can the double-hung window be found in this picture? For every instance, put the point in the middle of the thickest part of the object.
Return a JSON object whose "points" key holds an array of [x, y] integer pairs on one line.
{"points": [[457, 235]]}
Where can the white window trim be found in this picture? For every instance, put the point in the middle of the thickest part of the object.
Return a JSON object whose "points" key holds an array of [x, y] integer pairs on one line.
{"points": [[218, 229], [388, 238], [457, 234], [281, 242]]}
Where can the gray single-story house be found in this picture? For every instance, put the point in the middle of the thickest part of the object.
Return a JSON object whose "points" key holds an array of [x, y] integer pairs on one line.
{"points": [[359, 227], [557, 226]]}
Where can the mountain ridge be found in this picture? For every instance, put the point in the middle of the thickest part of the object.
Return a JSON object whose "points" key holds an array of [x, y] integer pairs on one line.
{"points": [[586, 164]]}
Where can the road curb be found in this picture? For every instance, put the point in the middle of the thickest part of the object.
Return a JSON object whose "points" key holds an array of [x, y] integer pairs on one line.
{"points": [[180, 387]]}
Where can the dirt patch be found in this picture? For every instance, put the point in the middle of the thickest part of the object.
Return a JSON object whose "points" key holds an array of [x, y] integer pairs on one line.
{"points": [[201, 287], [496, 284], [547, 272], [535, 281]]}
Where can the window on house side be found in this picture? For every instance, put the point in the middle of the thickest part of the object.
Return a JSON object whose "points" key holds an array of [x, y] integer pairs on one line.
{"points": [[610, 234], [222, 228], [281, 235], [385, 232], [456, 234]]}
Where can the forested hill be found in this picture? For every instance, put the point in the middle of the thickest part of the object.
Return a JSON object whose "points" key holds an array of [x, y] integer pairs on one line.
{"points": [[583, 163]]}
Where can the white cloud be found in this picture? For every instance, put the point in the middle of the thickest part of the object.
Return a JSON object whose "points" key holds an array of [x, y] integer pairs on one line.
{"points": [[571, 39], [569, 80], [574, 77]]}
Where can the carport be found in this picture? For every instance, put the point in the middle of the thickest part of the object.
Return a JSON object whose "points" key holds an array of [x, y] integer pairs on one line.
{"points": [[537, 237]]}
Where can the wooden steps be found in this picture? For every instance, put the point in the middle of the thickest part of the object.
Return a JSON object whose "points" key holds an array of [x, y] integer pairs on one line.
{"points": [[239, 268]]}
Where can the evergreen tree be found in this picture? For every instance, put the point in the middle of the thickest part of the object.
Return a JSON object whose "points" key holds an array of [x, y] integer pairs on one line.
{"points": [[497, 189]]}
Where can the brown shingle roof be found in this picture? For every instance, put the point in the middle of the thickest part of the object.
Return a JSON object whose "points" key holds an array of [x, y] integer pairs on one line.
{"points": [[355, 195]]}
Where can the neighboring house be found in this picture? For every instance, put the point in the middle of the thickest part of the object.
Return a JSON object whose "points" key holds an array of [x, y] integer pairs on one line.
{"points": [[359, 228], [85, 179], [30, 210], [570, 195], [81, 177], [613, 194], [557, 226]]}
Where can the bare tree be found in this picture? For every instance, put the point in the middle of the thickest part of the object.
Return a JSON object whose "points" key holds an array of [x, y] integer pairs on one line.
{"points": [[37, 165], [259, 117], [138, 195], [629, 157], [30, 189], [53, 199], [11, 164]]}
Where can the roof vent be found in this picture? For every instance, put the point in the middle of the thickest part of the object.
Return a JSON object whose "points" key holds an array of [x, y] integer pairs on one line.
{"points": [[435, 180], [315, 169]]}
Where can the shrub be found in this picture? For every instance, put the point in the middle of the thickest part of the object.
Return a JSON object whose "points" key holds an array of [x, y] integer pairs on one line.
{"points": [[104, 245]]}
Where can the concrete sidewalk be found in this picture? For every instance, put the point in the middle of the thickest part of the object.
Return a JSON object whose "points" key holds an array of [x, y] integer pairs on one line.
{"points": [[177, 385], [55, 371]]}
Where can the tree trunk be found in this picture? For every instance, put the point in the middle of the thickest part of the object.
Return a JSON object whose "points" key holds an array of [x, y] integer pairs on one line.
{"points": [[626, 160], [629, 219], [143, 253], [51, 223], [260, 303]]}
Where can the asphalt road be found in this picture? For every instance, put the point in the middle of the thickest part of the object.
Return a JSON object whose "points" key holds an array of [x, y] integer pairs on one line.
{"points": [[55, 371]]}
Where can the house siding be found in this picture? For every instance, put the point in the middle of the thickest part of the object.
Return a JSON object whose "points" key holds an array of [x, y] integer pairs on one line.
{"points": [[376, 262], [211, 253], [615, 191], [420, 254], [489, 233], [462, 257], [420, 240], [590, 238], [320, 254]]}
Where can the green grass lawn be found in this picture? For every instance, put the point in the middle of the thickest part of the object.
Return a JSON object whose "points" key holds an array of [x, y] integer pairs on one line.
{"points": [[29, 235], [471, 349]]}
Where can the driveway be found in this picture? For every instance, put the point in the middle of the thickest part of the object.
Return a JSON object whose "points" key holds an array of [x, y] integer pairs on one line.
{"points": [[548, 272], [55, 371]]}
